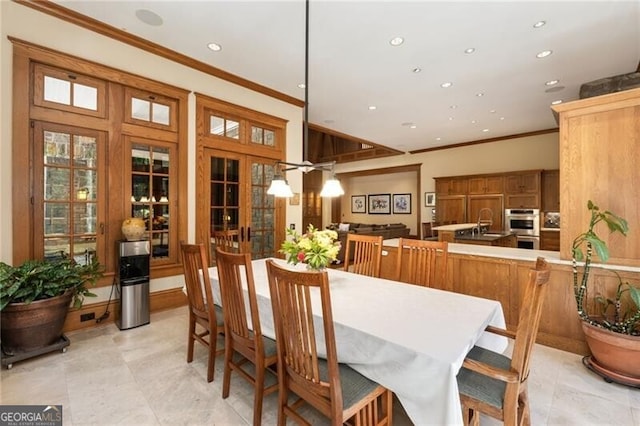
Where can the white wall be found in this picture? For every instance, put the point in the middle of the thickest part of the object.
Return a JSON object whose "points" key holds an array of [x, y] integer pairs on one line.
{"points": [[29, 25]]}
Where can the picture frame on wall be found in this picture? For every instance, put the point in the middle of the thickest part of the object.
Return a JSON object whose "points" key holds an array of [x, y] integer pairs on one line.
{"points": [[358, 204], [380, 204], [429, 199], [401, 203]]}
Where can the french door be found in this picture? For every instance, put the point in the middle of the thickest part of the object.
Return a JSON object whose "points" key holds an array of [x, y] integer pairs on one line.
{"points": [[234, 197]]}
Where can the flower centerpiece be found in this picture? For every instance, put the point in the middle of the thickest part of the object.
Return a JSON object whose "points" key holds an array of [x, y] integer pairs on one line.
{"points": [[317, 248]]}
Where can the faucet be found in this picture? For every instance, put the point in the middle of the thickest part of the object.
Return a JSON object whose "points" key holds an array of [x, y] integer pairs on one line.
{"points": [[480, 221]]}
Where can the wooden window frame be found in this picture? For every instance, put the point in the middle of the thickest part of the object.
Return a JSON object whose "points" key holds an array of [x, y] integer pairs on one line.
{"points": [[130, 93]]}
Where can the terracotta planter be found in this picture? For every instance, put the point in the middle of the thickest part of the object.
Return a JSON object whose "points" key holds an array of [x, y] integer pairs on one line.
{"points": [[27, 327], [614, 355]]}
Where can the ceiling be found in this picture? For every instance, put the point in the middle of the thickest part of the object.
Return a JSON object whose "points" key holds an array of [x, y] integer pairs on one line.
{"points": [[497, 90]]}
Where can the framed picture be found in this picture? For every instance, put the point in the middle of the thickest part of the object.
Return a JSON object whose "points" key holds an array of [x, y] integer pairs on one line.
{"points": [[358, 204], [401, 203], [295, 200], [380, 204], [429, 199]]}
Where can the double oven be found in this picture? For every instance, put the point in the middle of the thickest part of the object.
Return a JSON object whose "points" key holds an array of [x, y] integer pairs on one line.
{"points": [[525, 223]]}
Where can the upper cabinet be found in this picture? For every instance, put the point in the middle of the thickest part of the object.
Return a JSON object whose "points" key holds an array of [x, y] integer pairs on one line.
{"points": [[481, 185], [451, 186], [522, 190], [551, 191], [599, 157]]}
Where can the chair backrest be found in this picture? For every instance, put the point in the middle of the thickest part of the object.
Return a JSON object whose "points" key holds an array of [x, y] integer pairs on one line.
{"points": [[426, 230], [233, 269], [296, 336], [226, 240], [196, 277], [530, 311], [367, 254], [422, 262]]}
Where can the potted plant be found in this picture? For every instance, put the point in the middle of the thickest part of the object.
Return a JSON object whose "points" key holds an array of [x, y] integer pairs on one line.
{"points": [[35, 298], [613, 333]]}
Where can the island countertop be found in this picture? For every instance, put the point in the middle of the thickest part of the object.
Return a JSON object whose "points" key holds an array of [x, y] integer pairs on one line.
{"points": [[488, 237], [455, 227]]}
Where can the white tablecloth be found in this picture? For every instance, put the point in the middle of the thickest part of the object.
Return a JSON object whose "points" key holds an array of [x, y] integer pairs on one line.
{"points": [[409, 339]]}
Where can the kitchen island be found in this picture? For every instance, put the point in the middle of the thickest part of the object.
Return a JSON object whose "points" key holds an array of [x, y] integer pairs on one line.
{"points": [[468, 233]]}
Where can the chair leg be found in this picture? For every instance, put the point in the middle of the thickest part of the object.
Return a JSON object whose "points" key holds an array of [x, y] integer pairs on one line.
{"points": [[213, 337], [524, 414], [258, 394], [191, 339], [228, 357]]}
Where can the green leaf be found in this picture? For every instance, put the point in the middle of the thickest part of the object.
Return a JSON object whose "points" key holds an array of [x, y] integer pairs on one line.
{"points": [[634, 292]]}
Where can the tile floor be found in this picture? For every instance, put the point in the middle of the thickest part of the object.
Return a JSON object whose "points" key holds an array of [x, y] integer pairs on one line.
{"points": [[140, 377]]}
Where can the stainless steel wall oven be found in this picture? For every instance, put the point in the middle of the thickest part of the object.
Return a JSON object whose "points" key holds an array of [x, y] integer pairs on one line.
{"points": [[525, 223]]}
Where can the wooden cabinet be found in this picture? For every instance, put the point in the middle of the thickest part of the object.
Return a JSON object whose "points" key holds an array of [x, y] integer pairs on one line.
{"points": [[451, 186], [550, 240], [495, 203], [451, 208], [486, 185], [522, 190], [551, 191], [599, 140]]}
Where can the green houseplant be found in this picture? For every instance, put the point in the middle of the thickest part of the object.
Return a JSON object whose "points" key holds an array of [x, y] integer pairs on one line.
{"points": [[35, 297], [613, 332]]}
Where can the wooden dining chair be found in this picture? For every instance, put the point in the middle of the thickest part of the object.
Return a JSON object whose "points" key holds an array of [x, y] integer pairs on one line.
{"points": [[363, 254], [336, 390], [422, 262], [203, 312], [494, 384], [240, 337], [227, 240], [428, 233]]}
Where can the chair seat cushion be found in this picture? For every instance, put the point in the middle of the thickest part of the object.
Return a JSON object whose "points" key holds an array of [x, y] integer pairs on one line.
{"points": [[219, 315], [354, 385], [479, 386]]}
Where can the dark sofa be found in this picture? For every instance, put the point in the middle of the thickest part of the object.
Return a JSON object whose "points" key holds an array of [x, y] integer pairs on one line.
{"points": [[387, 231]]}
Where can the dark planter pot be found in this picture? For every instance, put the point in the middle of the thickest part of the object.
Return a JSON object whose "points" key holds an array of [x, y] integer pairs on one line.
{"points": [[614, 355], [28, 327]]}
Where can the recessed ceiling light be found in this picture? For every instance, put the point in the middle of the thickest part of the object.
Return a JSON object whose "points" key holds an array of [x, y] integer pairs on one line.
{"points": [[215, 47], [551, 82], [480, 94], [396, 41], [372, 107], [450, 118], [446, 84], [438, 139], [453, 106], [149, 17], [492, 111], [539, 24], [559, 101], [473, 121], [416, 70], [413, 126], [470, 50], [544, 53], [302, 85], [501, 118], [485, 130]]}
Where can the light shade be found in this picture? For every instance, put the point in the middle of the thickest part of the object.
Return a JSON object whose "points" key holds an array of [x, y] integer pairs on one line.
{"points": [[332, 188], [280, 188]]}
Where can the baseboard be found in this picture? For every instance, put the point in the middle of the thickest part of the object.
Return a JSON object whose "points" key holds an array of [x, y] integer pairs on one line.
{"points": [[159, 301]]}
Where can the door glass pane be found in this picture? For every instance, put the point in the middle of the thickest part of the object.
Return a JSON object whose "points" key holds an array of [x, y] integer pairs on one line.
{"points": [[85, 96], [56, 219], [84, 249], [85, 151], [56, 183], [217, 194], [161, 160], [56, 148], [140, 188], [160, 244], [140, 109], [257, 174], [217, 168], [160, 113], [84, 218], [85, 184], [233, 170], [54, 247], [233, 195], [140, 158], [56, 90]]}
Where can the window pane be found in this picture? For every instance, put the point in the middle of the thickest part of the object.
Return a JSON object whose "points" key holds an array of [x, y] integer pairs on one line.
{"points": [[217, 168], [140, 109], [233, 129], [140, 158], [56, 219], [56, 90], [53, 247], [256, 134], [233, 171], [85, 184], [217, 194], [84, 218], [85, 96], [160, 244], [84, 249], [140, 188], [233, 196], [269, 138], [85, 151], [256, 173], [56, 148], [216, 125], [160, 113], [161, 160], [56, 184]]}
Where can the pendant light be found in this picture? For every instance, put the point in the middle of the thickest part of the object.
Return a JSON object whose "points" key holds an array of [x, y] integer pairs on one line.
{"points": [[279, 186]]}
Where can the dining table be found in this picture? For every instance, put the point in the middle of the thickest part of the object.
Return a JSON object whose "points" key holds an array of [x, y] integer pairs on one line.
{"points": [[410, 339]]}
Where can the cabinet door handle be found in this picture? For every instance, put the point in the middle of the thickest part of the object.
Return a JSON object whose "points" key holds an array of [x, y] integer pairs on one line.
{"points": [[242, 233], [248, 233]]}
